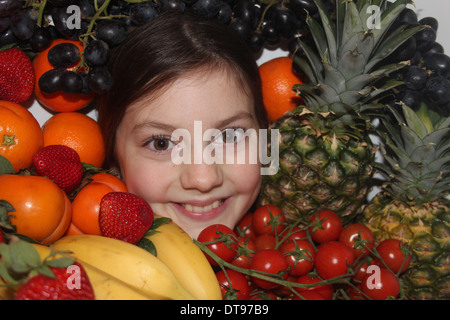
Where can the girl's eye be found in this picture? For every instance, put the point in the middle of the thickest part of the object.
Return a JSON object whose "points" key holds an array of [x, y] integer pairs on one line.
{"points": [[160, 144], [230, 135]]}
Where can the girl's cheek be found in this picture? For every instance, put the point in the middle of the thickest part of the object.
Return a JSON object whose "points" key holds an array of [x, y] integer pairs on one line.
{"points": [[248, 178], [149, 185]]}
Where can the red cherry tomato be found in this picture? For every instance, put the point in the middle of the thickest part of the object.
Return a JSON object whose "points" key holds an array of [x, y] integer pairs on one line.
{"points": [[325, 290], [380, 284], [354, 293], [363, 237], [390, 251], [297, 233], [269, 261], [265, 241], [284, 291], [246, 251], [333, 259], [300, 256], [233, 285], [244, 228], [361, 268], [268, 219], [326, 226], [226, 249]]}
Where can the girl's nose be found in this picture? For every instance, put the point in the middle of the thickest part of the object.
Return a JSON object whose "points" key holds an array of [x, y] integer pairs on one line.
{"points": [[202, 177]]}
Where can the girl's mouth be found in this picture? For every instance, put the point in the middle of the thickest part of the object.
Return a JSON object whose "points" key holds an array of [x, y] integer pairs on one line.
{"points": [[199, 209], [201, 212]]}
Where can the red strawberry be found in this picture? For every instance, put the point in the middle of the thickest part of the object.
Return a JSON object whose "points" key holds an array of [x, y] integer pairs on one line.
{"points": [[61, 164], [71, 283], [124, 216], [16, 76]]}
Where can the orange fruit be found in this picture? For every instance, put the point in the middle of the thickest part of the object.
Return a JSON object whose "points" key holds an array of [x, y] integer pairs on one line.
{"points": [[86, 204], [20, 134], [58, 101], [78, 131], [42, 210], [277, 79]]}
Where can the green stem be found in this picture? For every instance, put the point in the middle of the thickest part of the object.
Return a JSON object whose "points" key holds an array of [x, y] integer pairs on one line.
{"points": [[268, 276], [41, 12]]}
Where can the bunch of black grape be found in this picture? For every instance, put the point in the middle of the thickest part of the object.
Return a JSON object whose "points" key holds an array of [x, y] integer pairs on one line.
{"points": [[427, 77], [33, 28], [262, 23], [104, 24]]}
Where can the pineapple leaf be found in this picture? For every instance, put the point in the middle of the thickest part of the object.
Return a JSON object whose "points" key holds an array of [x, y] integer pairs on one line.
{"points": [[442, 122], [438, 135], [329, 29], [352, 63], [375, 92], [390, 45], [318, 34], [328, 93], [340, 15], [352, 25], [415, 123], [388, 16], [315, 62], [439, 163], [306, 68], [334, 78], [410, 139], [443, 149]]}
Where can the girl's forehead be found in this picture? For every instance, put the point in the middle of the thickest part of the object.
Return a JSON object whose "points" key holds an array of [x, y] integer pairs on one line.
{"points": [[203, 95]]}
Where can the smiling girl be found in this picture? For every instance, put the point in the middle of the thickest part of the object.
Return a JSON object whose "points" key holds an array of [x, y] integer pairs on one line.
{"points": [[173, 73]]}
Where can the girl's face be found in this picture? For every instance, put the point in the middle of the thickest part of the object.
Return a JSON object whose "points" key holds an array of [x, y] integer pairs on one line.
{"points": [[193, 193]]}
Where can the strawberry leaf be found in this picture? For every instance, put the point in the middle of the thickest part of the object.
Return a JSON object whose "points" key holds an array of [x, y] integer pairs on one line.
{"points": [[25, 254], [5, 273], [60, 262], [157, 222], [147, 245], [44, 270]]}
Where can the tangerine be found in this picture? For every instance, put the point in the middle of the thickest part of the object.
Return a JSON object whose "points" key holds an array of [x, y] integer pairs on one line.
{"points": [[277, 79], [58, 101], [78, 131], [20, 134], [42, 210], [86, 204]]}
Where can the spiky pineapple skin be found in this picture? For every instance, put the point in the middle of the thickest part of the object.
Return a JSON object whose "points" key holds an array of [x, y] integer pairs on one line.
{"points": [[426, 229], [318, 170]]}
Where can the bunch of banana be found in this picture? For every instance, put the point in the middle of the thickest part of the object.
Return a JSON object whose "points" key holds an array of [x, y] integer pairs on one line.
{"points": [[186, 260], [122, 271]]}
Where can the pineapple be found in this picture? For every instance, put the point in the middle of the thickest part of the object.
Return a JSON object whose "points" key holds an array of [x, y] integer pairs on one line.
{"points": [[413, 205], [326, 154]]}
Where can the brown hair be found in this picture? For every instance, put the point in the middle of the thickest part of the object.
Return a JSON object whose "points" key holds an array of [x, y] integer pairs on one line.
{"points": [[157, 53]]}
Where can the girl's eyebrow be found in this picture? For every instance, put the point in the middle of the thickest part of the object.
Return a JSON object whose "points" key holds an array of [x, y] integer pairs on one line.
{"points": [[240, 116], [155, 125], [170, 128]]}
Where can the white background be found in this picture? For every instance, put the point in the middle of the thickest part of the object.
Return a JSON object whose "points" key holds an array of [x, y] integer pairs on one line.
{"points": [[439, 9]]}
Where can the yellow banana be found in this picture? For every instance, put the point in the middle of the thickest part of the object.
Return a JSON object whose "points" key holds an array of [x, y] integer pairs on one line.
{"points": [[6, 293], [186, 260], [127, 262], [106, 287]]}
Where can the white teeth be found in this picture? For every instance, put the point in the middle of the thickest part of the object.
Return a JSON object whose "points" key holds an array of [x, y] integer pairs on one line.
{"points": [[207, 208]]}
